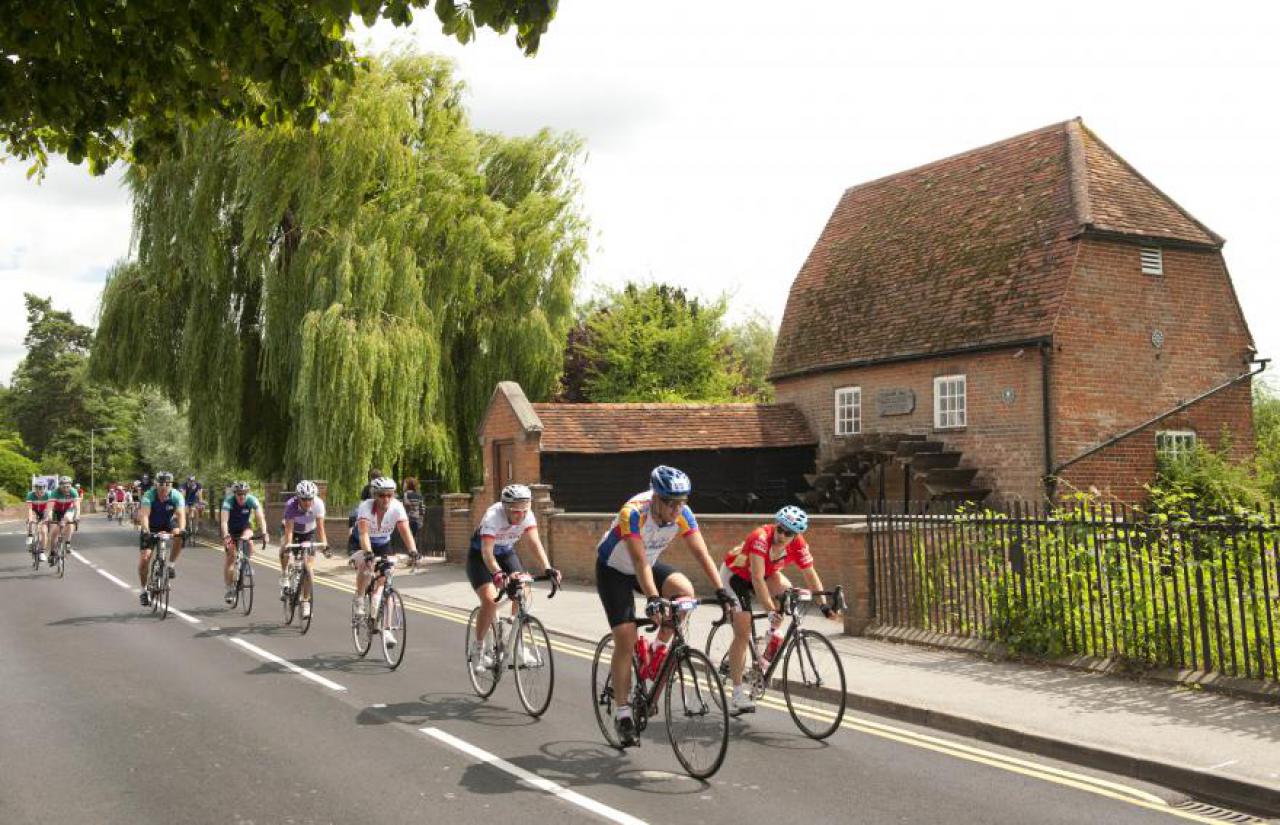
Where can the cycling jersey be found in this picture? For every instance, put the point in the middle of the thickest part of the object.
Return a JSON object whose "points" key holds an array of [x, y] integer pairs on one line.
{"points": [[380, 530], [40, 503], [238, 514], [117, 495], [760, 543], [634, 520], [191, 492], [163, 509], [64, 502], [304, 521], [505, 534]]}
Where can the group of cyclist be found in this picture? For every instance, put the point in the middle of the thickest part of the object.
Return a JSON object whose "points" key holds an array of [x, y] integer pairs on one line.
{"points": [[52, 514], [628, 556], [628, 562]]}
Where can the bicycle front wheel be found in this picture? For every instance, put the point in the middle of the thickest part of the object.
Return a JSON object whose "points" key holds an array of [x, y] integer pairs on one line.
{"points": [[535, 669], [813, 684], [602, 698], [288, 604], [60, 559], [697, 715], [304, 586], [162, 595], [719, 640], [393, 629], [360, 625], [244, 588], [483, 679]]}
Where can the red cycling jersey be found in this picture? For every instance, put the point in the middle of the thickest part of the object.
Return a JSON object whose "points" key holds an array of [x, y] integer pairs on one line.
{"points": [[760, 543]]}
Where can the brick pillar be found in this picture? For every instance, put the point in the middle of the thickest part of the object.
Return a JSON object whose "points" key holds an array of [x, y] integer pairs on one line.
{"points": [[457, 526], [853, 573], [545, 509]]}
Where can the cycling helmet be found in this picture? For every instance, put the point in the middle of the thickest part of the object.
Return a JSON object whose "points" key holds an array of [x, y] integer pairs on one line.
{"points": [[239, 487], [792, 518], [190, 479], [164, 477], [146, 477], [64, 481], [39, 484], [382, 484], [669, 482], [307, 489], [515, 492]]}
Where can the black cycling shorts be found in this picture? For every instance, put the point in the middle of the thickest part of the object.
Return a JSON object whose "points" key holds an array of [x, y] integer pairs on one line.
{"points": [[617, 589], [742, 588], [478, 574]]}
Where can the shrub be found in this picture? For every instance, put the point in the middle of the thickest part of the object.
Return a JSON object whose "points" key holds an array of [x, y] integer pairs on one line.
{"points": [[15, 472]]}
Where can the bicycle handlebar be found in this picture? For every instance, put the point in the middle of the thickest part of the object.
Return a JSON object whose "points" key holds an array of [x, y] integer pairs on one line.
{"points": [[668, 612], [518, 580]]}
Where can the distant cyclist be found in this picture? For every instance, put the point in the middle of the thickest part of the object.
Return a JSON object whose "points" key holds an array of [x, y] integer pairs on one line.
{"points": [[65, 510], [492, 559], [627, 563], [38, 502], [234, 524], [377, 518], [162, 511], [303, 521], [192, 495], [755, 568]]}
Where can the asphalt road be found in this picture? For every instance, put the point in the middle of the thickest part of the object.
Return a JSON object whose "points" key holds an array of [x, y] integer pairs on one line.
{"points": [[110, 715]]}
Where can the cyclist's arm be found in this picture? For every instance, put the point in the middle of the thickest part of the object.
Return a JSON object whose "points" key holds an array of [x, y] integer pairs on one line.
{"points": [[362, 528], [320, 531], [644, 574], [536, 541], [406, 535], [287, 538], [760, 586], [812, 581], [222, 523], [698, 546], [486, 553], [262, 524], [181, 513]]}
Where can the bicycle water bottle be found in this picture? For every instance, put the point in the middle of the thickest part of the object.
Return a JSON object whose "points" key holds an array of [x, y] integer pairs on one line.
{"points": [[642, 653], [771, 649]]}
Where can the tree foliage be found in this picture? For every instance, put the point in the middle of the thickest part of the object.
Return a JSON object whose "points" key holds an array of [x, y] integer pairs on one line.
{"points": [[750, 355], [97, 79], [349, 296], [16, 471], [1266, 428]]}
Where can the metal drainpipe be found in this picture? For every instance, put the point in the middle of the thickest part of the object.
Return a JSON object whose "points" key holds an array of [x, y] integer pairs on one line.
{"points": [[1050, 481]]}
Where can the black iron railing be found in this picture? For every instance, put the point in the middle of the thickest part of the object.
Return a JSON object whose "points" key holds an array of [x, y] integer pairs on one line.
{"points": [[1195, 590]]}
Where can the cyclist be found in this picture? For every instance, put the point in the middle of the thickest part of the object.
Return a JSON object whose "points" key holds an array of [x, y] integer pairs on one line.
{"points": [[38, 501], [161, 511], [755, 568], [193, 495], [377, 518], [303, 521], [233, 520], [135, 492], [118, 500], [65, 510], [627, 563], [144, 483], [492, 559]]}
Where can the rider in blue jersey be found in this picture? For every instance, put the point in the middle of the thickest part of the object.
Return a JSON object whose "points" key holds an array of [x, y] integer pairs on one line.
{"points": [[162, 511]]}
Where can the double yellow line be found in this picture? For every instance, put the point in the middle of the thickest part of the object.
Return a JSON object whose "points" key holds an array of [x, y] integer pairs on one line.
{"points": [[958, 750]]}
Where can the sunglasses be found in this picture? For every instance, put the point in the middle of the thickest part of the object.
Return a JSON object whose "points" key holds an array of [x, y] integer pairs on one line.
{"points": [[385, 495], [785, 533], [672, 502]]}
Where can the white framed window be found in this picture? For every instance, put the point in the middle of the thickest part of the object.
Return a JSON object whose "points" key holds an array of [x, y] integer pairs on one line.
{"points": [[1152, 260], [949, 407], [1175, 444], [848, 410]]}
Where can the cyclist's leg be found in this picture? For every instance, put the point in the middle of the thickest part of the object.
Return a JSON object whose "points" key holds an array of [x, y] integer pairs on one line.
{"points": [[617, 594], [229, 560], [69, 528], [175, 548], [144, 557], [672, 584], [482, 585], [741, 626]]}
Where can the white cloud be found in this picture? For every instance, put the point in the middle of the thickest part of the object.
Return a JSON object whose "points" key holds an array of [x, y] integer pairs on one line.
{"points": [[721, 134]]}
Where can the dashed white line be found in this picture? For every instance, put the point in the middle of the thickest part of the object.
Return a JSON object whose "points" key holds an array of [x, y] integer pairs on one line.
{"points": [[285, 663], [532, 779], [183, 616], [112, 578]]}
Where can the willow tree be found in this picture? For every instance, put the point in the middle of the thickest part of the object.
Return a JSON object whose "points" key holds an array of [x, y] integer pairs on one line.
{"points": [[320, 301]]}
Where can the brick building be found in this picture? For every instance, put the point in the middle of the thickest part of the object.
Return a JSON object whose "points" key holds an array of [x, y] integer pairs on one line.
{"points": [[1034, 309]]}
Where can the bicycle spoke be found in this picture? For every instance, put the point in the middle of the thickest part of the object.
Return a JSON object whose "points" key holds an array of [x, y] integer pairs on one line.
{"points": [[535, 670], [697, 715], [814, 685], [392, 622]]}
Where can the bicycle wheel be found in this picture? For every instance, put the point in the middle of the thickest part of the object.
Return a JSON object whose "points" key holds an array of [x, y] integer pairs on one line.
{"points": [[153, 581], [697, 714], [718, 642], [35, 554], [288, 603], [602, 690], [813, 683], [535, 668], [392, 621], [244, 587], [60, 558], [484, 680], [304, 617], [360, 625], [162, 596]]}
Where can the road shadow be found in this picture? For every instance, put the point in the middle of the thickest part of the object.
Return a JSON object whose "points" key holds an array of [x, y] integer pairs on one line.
{"points": [[580, 764], [446, 707], [264, 630], [740, 729], [346, 662]]}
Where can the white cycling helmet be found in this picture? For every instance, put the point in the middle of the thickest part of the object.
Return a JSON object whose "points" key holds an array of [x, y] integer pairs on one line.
{"points": [[382, 484], [307, 489], [516, 492]]}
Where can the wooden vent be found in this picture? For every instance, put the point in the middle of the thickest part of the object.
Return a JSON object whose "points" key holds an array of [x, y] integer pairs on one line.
{"points": [[1152, 261]]}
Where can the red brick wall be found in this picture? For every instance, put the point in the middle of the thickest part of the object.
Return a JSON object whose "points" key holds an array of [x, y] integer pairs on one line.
{"points": [[1121, 470], [1004, 439], [501, 424], [1107, 375]]}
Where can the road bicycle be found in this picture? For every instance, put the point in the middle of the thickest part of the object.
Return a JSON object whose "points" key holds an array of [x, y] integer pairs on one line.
{"points": [[383, 617], [159, 572], [244, 574], [690, 688], [196, 511], [298, 580], [519, 643], [58, 550], [35, 546], [813, 681]]}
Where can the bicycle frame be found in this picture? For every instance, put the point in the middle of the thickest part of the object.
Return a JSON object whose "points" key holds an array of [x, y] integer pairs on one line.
{"points": [[514, 592], [794, 600], [676, 616]]}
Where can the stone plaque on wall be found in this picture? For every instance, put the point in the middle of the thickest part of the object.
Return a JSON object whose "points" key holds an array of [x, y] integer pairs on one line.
{"points": [[896, 402]]}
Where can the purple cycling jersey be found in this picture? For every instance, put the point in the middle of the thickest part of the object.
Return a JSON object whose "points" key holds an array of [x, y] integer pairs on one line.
{"points": [[304, 521]]}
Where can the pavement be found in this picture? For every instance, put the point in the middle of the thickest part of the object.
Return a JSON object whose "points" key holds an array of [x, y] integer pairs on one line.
{"points": [[1211, 746]]}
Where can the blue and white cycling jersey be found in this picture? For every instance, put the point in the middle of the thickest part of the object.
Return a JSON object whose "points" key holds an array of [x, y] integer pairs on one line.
{"points": [[635, 519]]}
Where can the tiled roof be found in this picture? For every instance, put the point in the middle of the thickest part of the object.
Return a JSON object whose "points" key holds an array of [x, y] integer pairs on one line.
{"points": [[968, 251], [624, 428]]}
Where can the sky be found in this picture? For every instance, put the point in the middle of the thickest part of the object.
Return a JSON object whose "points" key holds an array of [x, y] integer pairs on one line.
{"points": [[720, 135]]}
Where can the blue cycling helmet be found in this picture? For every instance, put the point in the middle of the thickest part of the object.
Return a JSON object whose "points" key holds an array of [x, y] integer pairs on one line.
{"points": [[792, 518], [669, 482]]}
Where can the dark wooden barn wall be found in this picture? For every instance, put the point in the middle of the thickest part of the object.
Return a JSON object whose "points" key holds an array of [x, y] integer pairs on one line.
{"points": [[724, 481]]}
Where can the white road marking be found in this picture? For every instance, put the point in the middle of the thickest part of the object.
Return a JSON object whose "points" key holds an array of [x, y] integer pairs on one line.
{"points": [[112, 578], [75, 554], [271, 657], [1222, 764], [532, 779], [183, 616]]}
